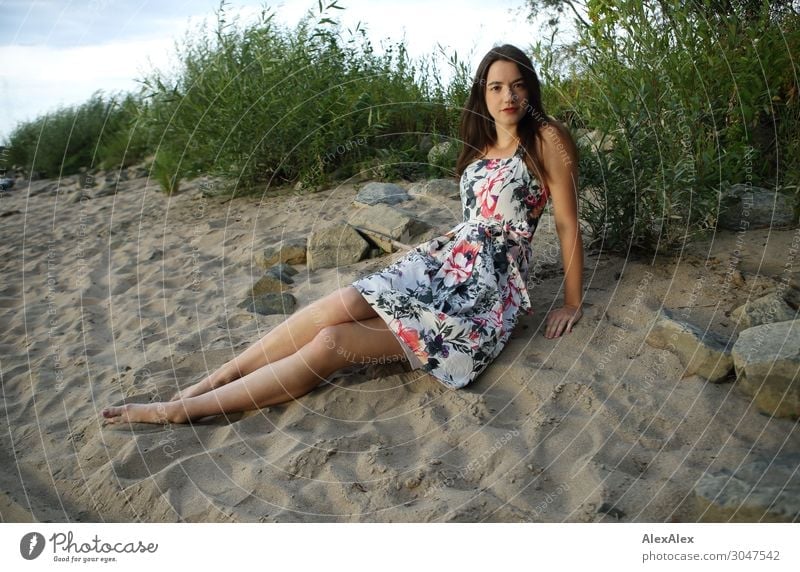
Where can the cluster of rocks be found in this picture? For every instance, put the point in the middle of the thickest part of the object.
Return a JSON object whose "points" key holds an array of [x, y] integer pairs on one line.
{"points": [[375, 228], [764, 357], [764, 361], [269, 294]]}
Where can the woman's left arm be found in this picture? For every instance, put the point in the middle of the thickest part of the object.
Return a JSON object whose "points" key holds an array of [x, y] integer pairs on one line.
{"points": [[561, 162]]}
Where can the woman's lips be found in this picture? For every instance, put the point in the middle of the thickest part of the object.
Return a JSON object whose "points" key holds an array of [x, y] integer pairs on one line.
{"points": [[510, 109]]}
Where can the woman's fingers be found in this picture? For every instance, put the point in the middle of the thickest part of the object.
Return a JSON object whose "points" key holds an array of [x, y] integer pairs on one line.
{"points": [[560, 321], [554, 328]]}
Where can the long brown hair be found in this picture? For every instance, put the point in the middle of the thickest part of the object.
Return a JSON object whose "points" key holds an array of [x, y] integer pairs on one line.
{"points": [[477, 125]]}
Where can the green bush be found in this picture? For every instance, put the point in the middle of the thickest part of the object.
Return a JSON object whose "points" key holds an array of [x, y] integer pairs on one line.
{"points": [[60, 143], [265, 105], [261, 105], [694, 99], [126, 142]]}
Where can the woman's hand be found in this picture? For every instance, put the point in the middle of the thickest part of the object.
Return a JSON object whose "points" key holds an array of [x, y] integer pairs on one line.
{"points": [[562, 320]]}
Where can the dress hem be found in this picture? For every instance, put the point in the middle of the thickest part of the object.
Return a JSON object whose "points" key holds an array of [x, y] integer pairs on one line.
{"points": [[413, 359]]}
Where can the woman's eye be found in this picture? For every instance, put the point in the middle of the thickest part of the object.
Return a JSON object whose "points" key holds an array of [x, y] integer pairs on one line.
{"points": [[515, 87]]}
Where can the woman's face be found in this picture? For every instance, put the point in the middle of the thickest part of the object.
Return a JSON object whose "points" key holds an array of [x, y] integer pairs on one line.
{"points": [[506, 94]]}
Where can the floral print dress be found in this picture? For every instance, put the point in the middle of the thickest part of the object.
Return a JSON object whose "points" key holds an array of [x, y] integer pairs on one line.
{"points": [[453, 301]]}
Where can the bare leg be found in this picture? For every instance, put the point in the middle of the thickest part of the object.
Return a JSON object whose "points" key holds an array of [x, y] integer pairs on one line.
{"points": [[343, 305], [333, 348]]}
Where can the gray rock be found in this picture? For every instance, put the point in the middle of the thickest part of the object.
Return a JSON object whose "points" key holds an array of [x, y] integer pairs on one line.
{"points": [[743, 208], [268, 284], [792, 297], [334, 246], [792, 293], [282, 272], [381, 223], [270, 303], [767, 360], [436, 188], [763, 490], [701, 353], [290, 251], [86, 180], [768, 309], [388, 193], [443, 155]]}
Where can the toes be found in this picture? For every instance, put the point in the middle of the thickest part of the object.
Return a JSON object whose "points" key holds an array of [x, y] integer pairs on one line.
{"points": [[110, 412], [113, 414]]}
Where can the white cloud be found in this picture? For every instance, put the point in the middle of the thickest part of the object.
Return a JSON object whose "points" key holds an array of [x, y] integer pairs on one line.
{"points": [[38, 79]]}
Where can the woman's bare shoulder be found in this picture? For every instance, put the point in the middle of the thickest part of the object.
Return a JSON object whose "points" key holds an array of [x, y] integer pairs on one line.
{"points": [[557, 131], [559, 154], [556, 139]]}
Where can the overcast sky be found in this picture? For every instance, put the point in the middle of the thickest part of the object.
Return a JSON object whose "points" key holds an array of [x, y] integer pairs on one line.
{"points": [[57, 52]]}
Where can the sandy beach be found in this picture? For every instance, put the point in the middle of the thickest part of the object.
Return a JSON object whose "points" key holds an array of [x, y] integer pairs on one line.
{"points": [[128, 296]]}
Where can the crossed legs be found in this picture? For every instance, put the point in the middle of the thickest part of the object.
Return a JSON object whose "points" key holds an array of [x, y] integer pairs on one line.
{"points": [[341, 306], [292, 359]]}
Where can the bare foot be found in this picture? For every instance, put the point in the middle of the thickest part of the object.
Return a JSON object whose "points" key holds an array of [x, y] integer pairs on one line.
{"points": [[142, 413]]}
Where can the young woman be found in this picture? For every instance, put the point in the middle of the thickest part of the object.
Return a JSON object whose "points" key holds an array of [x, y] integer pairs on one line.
{"points": [[449, 305]]}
